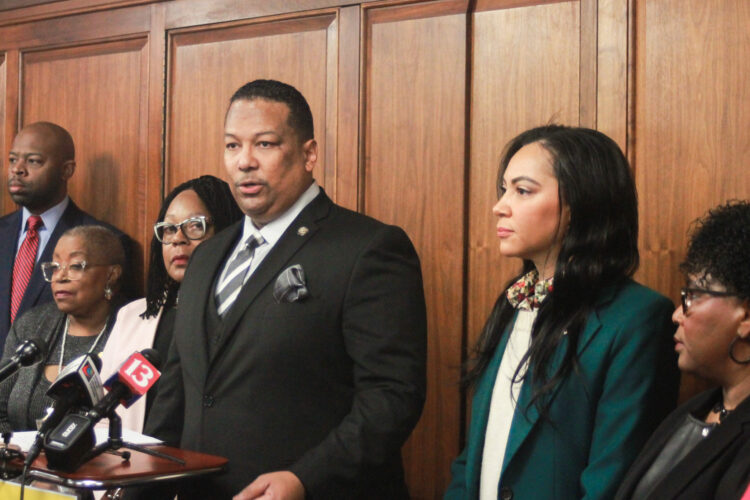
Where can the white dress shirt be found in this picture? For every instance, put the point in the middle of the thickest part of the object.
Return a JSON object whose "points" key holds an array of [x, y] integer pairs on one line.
{"points": [[50, 218], [271, 232]]}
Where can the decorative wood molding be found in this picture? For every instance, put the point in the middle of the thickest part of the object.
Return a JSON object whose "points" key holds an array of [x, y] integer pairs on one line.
{"points": [[48, 9]]}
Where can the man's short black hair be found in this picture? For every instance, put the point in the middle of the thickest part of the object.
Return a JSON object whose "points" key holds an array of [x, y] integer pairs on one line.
{"points": [[300, 116]]}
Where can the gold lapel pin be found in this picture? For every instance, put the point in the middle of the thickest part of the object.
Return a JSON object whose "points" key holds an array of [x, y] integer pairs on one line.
{"points": [[302, 231]]}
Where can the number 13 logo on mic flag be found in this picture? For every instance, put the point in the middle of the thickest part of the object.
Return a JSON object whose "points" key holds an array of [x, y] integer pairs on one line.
{"points": [[138, 374]]}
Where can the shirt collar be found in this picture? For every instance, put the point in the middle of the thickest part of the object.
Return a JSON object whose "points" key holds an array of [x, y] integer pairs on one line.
{"points": [[272, 231], [50, 217]]}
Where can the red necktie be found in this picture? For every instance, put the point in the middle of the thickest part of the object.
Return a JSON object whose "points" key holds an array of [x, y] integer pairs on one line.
{"points": [[24, 265]]}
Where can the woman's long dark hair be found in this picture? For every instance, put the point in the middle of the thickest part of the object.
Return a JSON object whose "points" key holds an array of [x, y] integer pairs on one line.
{"points": [[599, 249], [161, 290]]}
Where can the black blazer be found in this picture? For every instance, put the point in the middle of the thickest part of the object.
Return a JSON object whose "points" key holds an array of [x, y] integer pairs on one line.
{"points": [[718, 467], [329, 386], [38, 290]]}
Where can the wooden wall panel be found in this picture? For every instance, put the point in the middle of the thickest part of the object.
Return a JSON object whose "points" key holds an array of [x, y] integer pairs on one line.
{"points": [[414, 166], [16, 4], [152, 135], [5, 205], [73, 30], [525, 73], [97, 93], [8, 118], [208, 66], [612, 70], [692, 138], [24, 11], [348, 107], [413, 102]]}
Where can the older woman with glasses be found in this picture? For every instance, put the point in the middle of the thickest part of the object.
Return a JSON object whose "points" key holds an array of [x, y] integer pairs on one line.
{"points": [[193, 212], [702, 449], [85, 278]]}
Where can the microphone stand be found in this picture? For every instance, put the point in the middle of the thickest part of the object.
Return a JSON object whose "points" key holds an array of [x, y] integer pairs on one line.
{"points": [[115, 442], [9, 369], [8, 455]]}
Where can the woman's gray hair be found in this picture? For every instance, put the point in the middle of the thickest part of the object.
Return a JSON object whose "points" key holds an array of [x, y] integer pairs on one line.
{"points": [[101, 243]]}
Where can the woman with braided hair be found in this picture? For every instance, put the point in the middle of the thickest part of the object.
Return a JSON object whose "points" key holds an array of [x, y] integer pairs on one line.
{"points": [[193, 212]]}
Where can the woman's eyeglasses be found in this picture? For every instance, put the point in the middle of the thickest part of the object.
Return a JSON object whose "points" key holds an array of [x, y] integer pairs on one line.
{"points": [[193, 228], [75, 269], [687, 294]]}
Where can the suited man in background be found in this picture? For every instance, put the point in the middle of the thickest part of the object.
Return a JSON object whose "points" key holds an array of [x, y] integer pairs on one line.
{"points": [[41, 160], [300, 339]]}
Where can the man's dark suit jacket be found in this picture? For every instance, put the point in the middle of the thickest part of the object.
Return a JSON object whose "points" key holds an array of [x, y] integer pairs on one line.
{"points": [[718, 467], [38, 291], [328, 387]]}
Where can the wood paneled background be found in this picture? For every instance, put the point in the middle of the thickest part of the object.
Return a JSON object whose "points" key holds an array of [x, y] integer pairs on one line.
{"points": [[413, 102]]}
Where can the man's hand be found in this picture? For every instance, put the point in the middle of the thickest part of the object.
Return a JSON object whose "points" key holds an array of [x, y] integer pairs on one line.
{"points": [[282, 485]]}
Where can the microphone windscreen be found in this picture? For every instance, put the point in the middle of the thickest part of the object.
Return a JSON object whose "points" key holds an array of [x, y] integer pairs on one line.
{"points": [[136, 376], [79, 382], [30, 351], [152, 355], [97, 360]]}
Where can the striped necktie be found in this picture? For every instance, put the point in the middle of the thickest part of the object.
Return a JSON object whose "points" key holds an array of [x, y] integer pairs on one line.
{"points": [[234, 277], [24, 265]]}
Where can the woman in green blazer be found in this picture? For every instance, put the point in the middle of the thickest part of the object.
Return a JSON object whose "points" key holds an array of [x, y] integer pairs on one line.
{"points": [[575, 366]]}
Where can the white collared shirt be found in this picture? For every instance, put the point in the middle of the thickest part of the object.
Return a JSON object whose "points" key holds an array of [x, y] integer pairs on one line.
{"points": [[50, 218], [271, 232], [503, 404]]}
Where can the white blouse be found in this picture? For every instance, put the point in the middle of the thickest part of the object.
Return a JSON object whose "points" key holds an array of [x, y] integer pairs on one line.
{"points": [[503, 404]]}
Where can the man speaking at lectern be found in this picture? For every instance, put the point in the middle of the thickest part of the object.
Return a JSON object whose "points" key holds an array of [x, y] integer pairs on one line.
{"points": [[300, 339]]}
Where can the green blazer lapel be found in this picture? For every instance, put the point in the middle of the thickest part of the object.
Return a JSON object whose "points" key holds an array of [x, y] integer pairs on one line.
{"points": [[290, 243], [526, 415], [480, 412]]}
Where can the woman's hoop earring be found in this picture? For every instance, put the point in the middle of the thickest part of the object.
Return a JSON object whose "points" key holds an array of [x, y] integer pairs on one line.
{"points": [[731, 354]]}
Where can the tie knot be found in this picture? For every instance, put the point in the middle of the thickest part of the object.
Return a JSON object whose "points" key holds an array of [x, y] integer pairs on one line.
{"points": [[254, 241], [34, 223]]}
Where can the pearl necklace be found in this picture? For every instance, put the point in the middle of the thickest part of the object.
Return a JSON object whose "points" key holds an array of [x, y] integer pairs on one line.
{"points": [[65, 335]]}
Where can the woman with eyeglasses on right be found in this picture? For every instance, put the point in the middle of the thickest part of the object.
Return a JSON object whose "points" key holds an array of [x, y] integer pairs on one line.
{"points": [[193, 212], [702, 449]]}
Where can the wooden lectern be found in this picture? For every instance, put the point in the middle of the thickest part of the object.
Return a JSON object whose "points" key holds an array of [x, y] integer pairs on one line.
{"points": [[109, 470]]}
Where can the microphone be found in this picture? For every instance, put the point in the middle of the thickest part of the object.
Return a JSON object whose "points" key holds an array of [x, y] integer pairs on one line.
{"points": [[77, 386], [79, 382], [27, 353], [133, 379], [69, 444]]}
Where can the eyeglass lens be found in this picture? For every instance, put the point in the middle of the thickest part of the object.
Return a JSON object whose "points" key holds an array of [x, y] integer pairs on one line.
{"points": [[74, 270], [193, 229], [686, 294], [685, 300]]}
